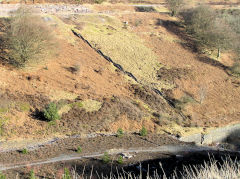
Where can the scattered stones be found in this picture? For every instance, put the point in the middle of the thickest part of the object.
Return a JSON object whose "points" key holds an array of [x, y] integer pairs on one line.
{"points": [[127, 155], [58, 8]]}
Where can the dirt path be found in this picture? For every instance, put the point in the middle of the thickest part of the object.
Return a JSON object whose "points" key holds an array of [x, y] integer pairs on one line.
{"points": [[171, 149], [89, 146]]}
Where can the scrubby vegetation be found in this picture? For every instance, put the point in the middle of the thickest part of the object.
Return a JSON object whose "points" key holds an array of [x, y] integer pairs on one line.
{"points": [[32, 175], [212, 29], [67, 174], [27, 37], [2, 176], [24, 151], [120, 160], [79, 149], [120, 132], [51, 112], [99, 1], [235, 69], [143, 131], [106, 157], [145, 9]]}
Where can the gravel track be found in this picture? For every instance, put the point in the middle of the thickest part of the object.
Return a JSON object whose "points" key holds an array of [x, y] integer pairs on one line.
{"points": [[172, 149]]}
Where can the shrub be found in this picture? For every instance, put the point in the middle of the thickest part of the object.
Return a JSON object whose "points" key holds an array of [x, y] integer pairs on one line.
{"points": [[120, 160], [24, 151], [143, 131], [99, 1], [79, 149], [120, 132], [145, 9], [2, 176], [27, 37], [106, 157], [51, 112]]}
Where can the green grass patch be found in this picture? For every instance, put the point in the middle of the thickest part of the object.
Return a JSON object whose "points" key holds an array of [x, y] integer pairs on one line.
{"points": [[78, 104], [24, 107], [124, 47], [91, 105], [3, 110]]}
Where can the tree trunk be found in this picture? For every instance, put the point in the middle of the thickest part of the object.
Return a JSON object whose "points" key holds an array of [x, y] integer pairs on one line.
{"points": [[219, 53]]}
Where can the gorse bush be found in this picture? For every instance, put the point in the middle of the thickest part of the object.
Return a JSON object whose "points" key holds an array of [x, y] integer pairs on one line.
{"points": [[120, 132], [143, 131], [24, 151], [120, 160], [51, 112], [27, 37], [79, 149], [106, 157]]}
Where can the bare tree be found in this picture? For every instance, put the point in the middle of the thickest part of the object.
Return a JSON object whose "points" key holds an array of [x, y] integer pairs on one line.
{"points": [[209, 30], [27, 37]]}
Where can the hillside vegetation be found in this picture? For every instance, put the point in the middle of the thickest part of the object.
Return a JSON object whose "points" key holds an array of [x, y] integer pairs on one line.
{"points": [[185, 63]]}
